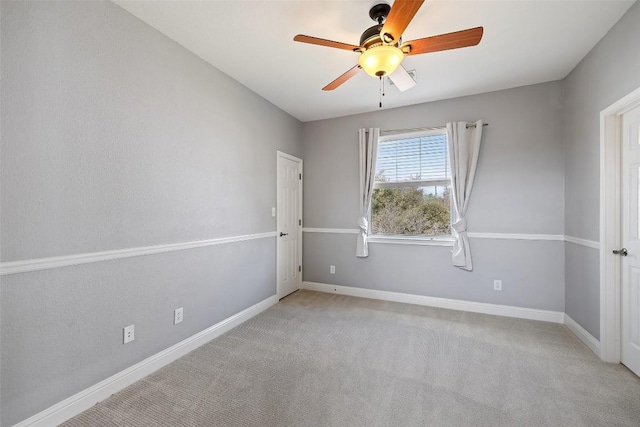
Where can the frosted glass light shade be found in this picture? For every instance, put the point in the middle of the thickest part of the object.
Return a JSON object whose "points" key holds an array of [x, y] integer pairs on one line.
{"points": [[381, 60]]}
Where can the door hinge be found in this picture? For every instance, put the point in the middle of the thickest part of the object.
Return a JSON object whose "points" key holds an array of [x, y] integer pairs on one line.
{"points": [[299, 222], [300, 176], [300, 268]]}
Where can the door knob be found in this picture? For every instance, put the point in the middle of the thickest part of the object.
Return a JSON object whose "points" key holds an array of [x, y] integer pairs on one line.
{"points": [[286, 234], [621, 252]]}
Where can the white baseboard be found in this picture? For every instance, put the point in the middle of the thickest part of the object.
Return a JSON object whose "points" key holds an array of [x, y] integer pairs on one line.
{"points": [[85, 399], [452, 304], [582, 334], [82, 401]]}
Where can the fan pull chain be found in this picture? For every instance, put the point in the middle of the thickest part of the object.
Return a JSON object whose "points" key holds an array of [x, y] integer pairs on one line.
{"points": [[381, 90]]}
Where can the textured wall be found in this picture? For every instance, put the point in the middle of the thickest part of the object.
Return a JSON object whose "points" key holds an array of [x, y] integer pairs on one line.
{"points": [[609, 72], [113, 137], [518, 189], [531, 271], [62, 328], [582, 287]]}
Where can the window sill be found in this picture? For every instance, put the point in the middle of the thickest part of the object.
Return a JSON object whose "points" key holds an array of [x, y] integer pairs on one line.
{"points": [[417, 240]]}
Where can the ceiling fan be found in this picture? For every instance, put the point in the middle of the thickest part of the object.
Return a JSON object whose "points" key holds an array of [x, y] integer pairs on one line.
{"points": [[382, 50]]}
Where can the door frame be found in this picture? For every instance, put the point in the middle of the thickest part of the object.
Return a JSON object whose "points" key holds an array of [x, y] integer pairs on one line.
{"points": [[300, 187], [611, 225]]}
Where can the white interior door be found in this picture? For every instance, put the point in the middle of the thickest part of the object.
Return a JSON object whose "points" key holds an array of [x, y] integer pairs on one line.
{"points": [[630, 303], [289, 228]]}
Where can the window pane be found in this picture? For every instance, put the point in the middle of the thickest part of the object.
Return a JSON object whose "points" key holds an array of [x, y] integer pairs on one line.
{"points": [[411, 211], [413, 159]]}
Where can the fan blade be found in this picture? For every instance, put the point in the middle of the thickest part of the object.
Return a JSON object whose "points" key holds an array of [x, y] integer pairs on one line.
{"points": [[323, 42], [458, 39], [401, 13], [343, 78], [402, 79]]}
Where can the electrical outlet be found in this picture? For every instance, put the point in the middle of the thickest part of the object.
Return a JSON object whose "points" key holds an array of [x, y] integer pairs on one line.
{"points": [[497, 285], [128, 334], [177, 315], [332, 269], [273, 211]]}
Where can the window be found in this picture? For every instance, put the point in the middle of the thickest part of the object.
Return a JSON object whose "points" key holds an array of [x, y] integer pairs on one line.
{"points": [[411, 195]]}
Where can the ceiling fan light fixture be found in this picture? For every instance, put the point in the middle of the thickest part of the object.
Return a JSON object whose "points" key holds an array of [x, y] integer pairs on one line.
{"points": [[381, 48], [381, 60]]}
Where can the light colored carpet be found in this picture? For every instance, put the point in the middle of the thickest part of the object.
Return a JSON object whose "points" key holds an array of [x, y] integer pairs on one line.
{"points": [[327, 360]]}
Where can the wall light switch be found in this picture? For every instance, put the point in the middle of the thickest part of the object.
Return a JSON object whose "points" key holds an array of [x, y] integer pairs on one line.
{"points": [[273, 211], [128, 334], [177, 315], [332, 269], [497, 285]]}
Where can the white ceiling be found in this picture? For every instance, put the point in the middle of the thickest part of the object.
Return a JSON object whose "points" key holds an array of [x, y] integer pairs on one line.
{"points": [[525, 42]]}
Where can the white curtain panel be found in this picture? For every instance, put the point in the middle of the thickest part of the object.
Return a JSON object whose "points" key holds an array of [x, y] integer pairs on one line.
{"points": [[464, 148], [368, 151]]}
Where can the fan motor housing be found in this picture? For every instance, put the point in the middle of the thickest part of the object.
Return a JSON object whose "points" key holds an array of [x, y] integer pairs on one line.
{"points": [[371, 36]]}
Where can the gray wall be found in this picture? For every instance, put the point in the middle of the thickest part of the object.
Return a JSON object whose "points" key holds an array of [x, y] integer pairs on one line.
{"points": [[519, 189], [582, 302], [113, 137], [610, 71]]}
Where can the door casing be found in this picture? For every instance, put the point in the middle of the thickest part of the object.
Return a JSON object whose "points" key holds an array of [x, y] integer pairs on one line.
{"points": [[280, 154], [611, 225]]}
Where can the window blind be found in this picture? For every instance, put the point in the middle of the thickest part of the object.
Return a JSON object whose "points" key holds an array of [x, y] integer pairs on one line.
{"points": [[413, 159]]}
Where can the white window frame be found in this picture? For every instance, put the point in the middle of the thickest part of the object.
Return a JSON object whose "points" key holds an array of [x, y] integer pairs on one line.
{"points": [[401, 239]]}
